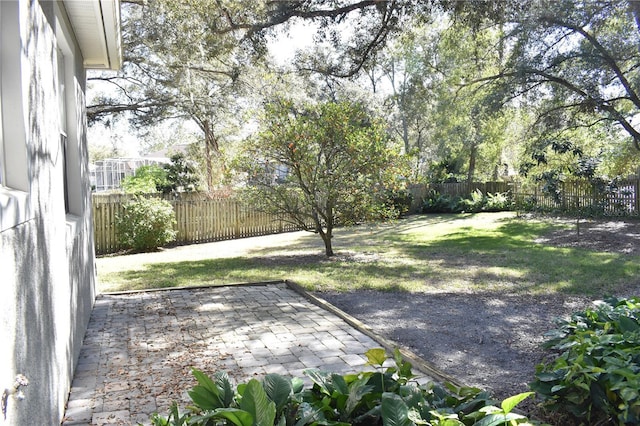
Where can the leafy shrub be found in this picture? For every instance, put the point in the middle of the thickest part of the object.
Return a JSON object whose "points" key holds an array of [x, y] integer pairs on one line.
{"points": [[397, 201], [146, 180], [477, 202], [146, 224], [382, 397], [441, 203], [596, 376], [474, 204], [497, 202]]}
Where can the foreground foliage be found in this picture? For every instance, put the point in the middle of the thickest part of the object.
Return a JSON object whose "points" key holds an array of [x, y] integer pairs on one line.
{"points": [[385, 396], [596, 376]]}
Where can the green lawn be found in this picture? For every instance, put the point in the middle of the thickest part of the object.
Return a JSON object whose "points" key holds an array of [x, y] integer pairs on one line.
{"points": [[482, 252]]}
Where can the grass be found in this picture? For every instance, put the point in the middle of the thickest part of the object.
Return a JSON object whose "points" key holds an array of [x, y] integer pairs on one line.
{"points": [[482, 252]]}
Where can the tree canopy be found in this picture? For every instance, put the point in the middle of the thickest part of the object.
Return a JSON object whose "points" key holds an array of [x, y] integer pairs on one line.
{"points": [[474, 89]]}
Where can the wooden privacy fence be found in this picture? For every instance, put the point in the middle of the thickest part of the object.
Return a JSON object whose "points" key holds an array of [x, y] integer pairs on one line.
{"points": [[199, 219], [621, 199]]}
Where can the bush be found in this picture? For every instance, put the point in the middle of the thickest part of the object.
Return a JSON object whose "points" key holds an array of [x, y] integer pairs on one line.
{"points": [[382, 397], [441, 203], [477, 202], [474, 204], [497, 202], [397, 202], [146, 224], [596, 375]]}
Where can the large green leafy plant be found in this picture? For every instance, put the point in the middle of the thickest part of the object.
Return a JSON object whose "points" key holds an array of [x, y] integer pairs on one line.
{"points": [[595, 377], [385, 396]]}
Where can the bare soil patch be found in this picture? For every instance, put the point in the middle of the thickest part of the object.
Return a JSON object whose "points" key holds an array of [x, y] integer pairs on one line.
{"points": [[614, 236], [489, 340]]}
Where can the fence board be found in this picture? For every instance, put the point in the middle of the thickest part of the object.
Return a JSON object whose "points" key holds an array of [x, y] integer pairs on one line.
{"points": [[199, 219]]}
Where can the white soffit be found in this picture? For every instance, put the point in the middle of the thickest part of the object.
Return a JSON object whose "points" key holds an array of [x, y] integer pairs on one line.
{"points": [[96, 25]]}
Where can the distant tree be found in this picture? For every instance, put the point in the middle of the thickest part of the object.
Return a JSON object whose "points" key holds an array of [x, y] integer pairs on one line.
{"points": [[181, 175], [146, 180], [175, 68], [321, 165], [575, 61]]}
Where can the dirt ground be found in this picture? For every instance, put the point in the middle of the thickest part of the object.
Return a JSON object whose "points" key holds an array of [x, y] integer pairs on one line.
{"points": [[487, 340]]}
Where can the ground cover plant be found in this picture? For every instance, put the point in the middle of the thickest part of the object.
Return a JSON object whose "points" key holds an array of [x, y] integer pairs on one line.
{"points": [[384, 396], [595, 375]]}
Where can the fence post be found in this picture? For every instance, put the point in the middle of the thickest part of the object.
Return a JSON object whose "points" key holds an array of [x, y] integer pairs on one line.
{"points": [[236, 231], [636, 198]]}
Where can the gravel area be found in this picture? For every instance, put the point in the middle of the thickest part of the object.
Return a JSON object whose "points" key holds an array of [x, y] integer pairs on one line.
{"points": [[490, 341]]}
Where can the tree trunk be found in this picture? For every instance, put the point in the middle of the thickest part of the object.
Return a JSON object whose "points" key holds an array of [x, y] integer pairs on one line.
{"points": [[472, 162], [211, 148], [326, 235], [328, 249]]}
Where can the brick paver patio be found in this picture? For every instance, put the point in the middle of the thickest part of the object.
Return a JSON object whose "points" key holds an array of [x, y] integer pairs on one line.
{"points": [[140, 347]]}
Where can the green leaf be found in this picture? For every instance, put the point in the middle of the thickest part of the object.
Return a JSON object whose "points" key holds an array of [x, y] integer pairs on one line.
{"points": [[206, 395], [221, 379], [339, 384], [308, 414], [547, 377], [255, 402], [628, 324], [357, 390], [394, 411], [297, 384], [235, 416], [376, 356], [204, 380], [278, 389], [511, 402], [498, 419], [321, 379]]}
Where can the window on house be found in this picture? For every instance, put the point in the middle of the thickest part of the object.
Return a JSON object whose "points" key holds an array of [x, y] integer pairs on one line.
{"points": [[70, 134], [62, 108], [13, 142], [15, 202]]}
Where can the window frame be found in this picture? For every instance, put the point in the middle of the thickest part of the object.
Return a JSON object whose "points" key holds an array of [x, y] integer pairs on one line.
{"points": [[15, 199]]}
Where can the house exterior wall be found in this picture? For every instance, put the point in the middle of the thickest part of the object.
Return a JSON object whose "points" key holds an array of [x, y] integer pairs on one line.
{"points": [[47, 272]]}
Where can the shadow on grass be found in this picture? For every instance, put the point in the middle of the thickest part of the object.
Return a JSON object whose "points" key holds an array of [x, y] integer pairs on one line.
{"points": [[508, 258], [436, 253]]}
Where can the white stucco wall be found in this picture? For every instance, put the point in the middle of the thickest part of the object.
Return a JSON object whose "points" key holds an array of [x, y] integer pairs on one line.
{"points": [[47, 273]]}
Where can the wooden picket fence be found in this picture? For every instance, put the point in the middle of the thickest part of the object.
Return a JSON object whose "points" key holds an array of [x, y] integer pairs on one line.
{"points": [[574, 196], [199, 219]]}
